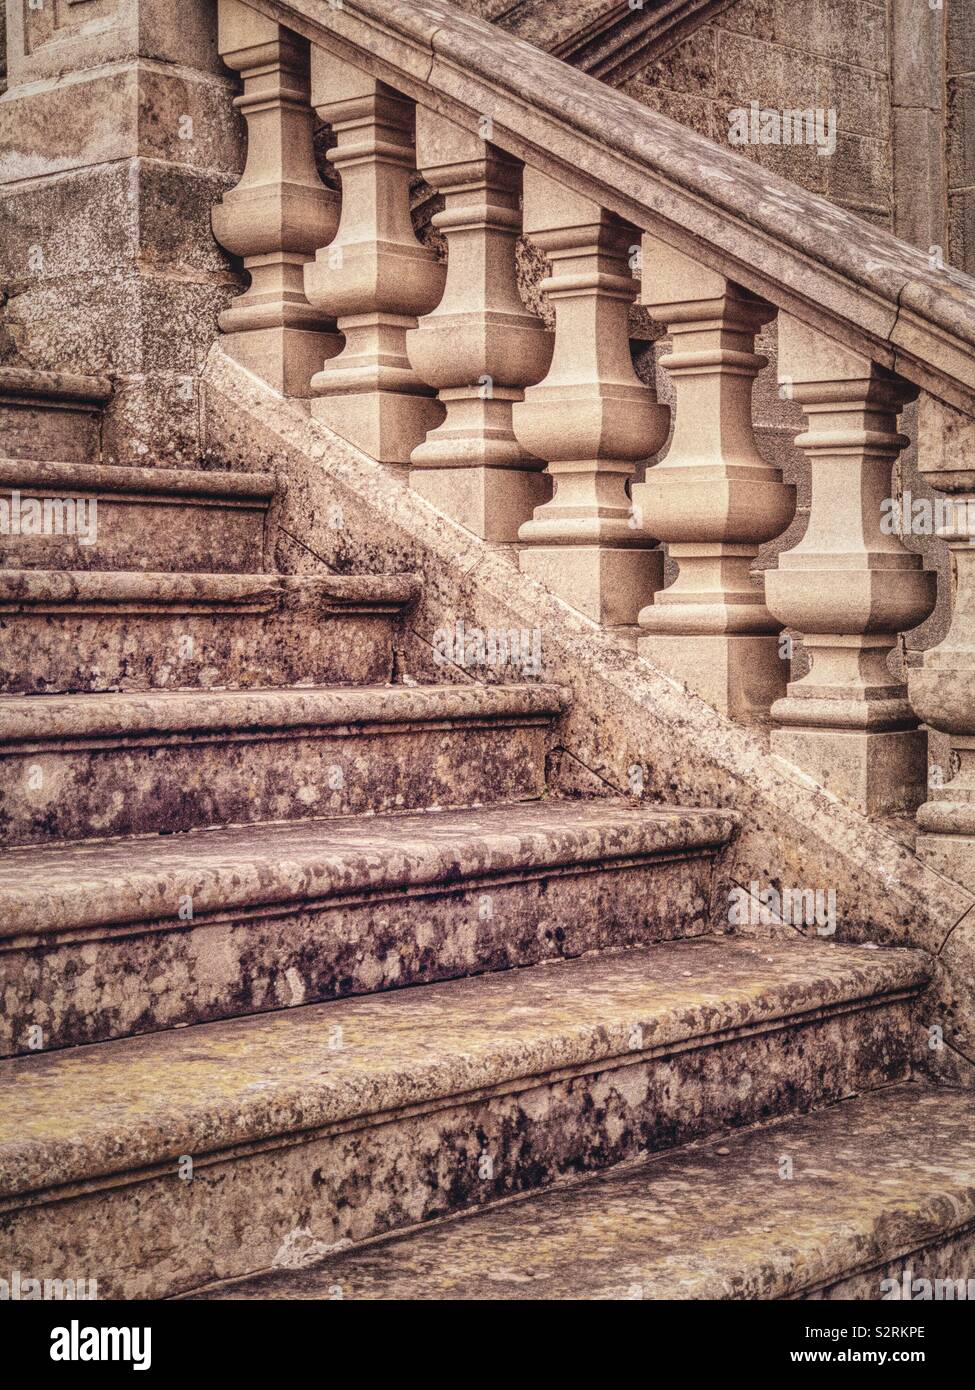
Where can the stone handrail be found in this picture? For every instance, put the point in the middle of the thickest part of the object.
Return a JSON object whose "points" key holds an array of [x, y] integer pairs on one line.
{"points": [[531, 438], [824, 265]]}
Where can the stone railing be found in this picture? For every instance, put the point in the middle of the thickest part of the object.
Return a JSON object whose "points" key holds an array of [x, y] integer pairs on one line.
{"points": [[531, 438]]}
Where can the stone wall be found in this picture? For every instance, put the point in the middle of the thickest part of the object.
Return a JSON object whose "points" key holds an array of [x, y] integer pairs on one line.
{"points": [[117, 136], [788, 54], [960, 135]]}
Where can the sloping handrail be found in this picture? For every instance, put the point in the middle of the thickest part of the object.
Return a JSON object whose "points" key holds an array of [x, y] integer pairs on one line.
{"points": [[826, 266]]}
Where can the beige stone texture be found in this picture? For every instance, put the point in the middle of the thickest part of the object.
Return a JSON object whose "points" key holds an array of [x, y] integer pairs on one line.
{"points": [[280, 212], [480, 347], [382, 869], [849, 587], [713, 498], [117, 135], [591, 418], [625, 713], [374, 277]]}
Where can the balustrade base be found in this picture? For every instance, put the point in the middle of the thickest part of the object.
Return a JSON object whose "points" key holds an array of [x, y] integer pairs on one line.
{"points": [[609, 584], [286, 358], [739, 674], [386, 425], [879, 773], [951, 855], [491, 502]]}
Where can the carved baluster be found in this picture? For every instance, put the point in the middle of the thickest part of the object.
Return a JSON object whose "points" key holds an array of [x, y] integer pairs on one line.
{"points": [[280, 212], [942, 685], [849, 587], [480, 346], [713, 499], [591, 417], [375, 276]]}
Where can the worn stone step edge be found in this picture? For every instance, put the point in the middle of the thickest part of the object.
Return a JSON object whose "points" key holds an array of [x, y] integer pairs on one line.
{"points": [[146, 880], [31, 724], [72, 388], [136, 1103], [883, 1186], [82, 592], [171, 486]]}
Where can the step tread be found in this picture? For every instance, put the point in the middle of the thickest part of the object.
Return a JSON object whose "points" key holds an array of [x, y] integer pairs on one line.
{"points": [[85, 883], [875, 1179], [83, 478], [25, 718], [118, 1105], [159, 589]]}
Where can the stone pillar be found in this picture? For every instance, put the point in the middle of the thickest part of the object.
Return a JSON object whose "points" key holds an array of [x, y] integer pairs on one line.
{"points": [[375, 277], [280, 213], [117, 136], [849, 587], [591, 417], [942, 685], [480, 347], [713, 499]]}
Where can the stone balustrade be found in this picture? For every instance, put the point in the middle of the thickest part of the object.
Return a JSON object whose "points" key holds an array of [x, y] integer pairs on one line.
{"points": [[536, 443], [280, 213]]}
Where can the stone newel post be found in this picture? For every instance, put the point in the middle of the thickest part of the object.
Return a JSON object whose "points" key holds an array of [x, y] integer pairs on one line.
{"points": [[849, 587], [591, 418], [375, 277], [280, 212], [942, 685], [480, 346], [713, 499]]}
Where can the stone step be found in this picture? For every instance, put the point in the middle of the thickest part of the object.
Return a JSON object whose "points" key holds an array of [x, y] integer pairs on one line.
{"points": [[64, 631], [84, 516], [157, 1164], [880, 1187], [102, 940], [75, 767], [54, 415]]}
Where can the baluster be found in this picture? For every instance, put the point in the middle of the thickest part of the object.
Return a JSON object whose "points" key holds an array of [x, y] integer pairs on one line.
{"points": [[849, 587], [280, 212], [591, 417], [713, 499], [942, 685], [480, 347], [375, 276]]}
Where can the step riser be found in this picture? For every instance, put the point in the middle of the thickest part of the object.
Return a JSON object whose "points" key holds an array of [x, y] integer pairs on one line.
{"points": [[951, 1260], [186, 650], [148, 1235], [233, 778], [182, 537], [96, 985], [36, 429]]}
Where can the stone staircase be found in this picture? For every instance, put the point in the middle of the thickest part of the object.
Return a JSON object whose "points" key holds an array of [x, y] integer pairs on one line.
{"points": [[294, 956]]}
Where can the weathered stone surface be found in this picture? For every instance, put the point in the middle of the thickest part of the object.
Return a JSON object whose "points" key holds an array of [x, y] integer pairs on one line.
{"points": [[143, 519], [870, 1178], [629, 727], [67, 631], [547, 1071], [291, 914], [77, 766]]}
